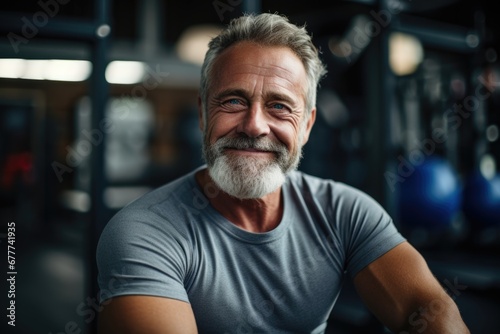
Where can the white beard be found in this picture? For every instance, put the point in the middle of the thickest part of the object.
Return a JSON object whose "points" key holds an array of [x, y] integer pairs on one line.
{"points": [[247, 177]]}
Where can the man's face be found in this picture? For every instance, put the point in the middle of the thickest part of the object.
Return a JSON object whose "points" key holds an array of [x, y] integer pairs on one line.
{"points": [[256, 118]]}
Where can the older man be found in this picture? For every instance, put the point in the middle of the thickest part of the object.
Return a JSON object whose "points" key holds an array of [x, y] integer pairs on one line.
{"points": [[247, 243]]}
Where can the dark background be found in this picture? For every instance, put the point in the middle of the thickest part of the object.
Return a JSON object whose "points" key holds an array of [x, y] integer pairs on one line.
{"points": [[370, 133]]}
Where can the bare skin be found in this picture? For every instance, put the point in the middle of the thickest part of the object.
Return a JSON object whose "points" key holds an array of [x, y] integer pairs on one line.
{"points": [[405, 296], [146, 314], [259, 91]]}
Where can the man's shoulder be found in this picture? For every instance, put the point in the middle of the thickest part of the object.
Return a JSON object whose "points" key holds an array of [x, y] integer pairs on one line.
{"points": [[327, 189], [158, 205]]}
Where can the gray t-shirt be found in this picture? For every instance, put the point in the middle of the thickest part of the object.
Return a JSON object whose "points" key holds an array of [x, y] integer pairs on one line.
{"points": [[172, 243]]}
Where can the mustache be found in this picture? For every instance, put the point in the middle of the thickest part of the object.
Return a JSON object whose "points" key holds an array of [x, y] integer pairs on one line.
{"points": [[240, 143]]}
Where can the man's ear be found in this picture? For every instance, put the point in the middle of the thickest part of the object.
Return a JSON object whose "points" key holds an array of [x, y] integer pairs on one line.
{"points": [[309, 125], [201, 121]]}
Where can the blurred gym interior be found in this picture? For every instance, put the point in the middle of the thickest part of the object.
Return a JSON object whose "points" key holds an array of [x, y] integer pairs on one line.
{"points": [[98, 106]]}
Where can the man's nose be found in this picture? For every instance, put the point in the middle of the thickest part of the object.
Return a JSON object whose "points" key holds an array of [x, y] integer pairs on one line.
{"points": [[255, 123]]}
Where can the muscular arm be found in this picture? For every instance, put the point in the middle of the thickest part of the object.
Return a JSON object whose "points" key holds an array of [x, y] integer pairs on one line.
{"points": [[404, 295], [146, 314]]}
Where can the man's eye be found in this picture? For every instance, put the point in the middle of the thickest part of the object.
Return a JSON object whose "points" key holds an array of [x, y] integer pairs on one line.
{"points": [[233, 105], [278, 106]]}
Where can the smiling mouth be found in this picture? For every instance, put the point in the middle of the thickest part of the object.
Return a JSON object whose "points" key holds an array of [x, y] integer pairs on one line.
{"points": [[249, 150]]}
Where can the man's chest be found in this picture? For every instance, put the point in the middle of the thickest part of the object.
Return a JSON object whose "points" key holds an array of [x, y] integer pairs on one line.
{"points": [[286, 286]]}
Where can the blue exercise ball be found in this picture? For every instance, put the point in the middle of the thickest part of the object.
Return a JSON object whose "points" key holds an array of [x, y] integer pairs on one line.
{"points": [[430, 196], [481, 200]]}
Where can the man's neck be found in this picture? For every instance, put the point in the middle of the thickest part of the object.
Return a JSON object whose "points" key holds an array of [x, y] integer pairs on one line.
{"points": [[254, 215]]}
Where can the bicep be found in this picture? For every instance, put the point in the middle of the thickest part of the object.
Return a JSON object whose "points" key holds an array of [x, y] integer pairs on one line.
{"points": [[397, 284], [146, 314]]}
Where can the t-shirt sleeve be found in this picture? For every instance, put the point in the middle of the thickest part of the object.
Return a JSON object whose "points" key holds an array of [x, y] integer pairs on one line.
{"points": [[139, 253], [368, 231]]}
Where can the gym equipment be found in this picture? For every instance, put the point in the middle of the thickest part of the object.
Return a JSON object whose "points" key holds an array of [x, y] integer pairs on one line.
{"points": [[481, 200], [430, 196]]}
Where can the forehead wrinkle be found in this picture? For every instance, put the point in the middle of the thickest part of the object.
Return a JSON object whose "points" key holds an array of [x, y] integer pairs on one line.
{"points": [[284, 73], [273, 71], [237, 86], [278, 75]]}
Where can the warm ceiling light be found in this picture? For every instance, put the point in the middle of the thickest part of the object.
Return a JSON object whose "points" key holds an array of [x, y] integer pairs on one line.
{"points": [[193, 43], [405, 53]]}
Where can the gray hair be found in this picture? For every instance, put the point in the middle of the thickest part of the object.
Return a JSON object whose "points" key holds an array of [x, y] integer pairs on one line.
{"points": [[270, 30]]}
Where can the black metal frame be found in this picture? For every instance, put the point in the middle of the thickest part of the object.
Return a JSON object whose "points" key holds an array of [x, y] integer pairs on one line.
{"points": [[84, 31], [381, 86]]}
